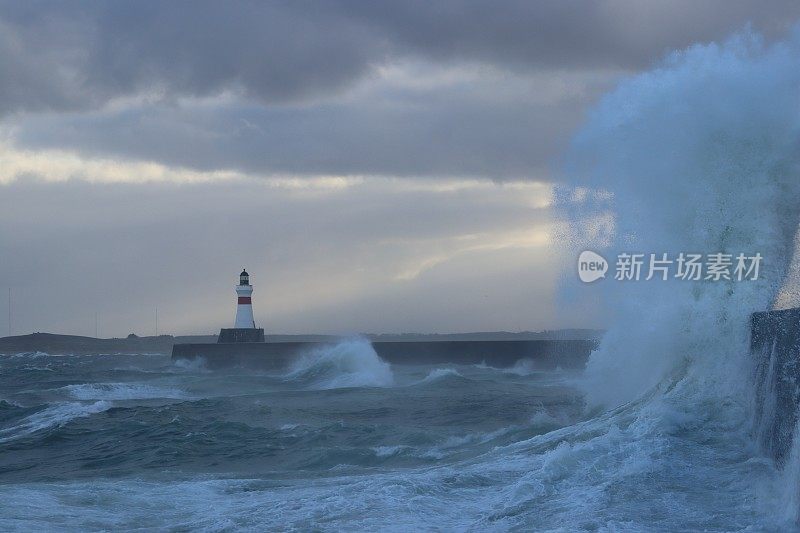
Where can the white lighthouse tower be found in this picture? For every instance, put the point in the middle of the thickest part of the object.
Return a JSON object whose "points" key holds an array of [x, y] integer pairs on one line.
{"points": [[244, 328], [244, 307]]}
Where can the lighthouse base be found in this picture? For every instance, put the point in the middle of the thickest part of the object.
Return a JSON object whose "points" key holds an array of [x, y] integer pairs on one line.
{"points": [[237, 335]]}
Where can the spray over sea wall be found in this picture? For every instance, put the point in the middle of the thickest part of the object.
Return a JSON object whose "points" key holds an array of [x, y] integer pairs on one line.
{"points": [[699, 155]]}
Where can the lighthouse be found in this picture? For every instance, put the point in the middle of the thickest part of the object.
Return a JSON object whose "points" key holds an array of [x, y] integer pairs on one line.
{"points": [[244, 327], [244, 306]]}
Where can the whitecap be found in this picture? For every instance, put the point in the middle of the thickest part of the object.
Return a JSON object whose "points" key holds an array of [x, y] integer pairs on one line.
{"points": [[55, 415], [121, 391]]}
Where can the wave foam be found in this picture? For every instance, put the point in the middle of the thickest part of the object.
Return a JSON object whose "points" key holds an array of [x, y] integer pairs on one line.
{"points": [[198, 364], [350, 363], [120, 391], [53, 416], [29, 355], [438, 374]]}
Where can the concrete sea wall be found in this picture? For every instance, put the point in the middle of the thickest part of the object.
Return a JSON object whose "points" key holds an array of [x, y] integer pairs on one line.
{"points": [[775, 343], [544, 354]]}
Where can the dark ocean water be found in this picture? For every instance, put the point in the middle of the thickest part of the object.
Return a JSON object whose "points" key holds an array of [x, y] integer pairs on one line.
{"points": [[345, 441]]}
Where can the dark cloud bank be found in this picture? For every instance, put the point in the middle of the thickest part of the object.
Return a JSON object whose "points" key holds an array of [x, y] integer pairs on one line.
{"points": [[290, 66], [77, 55]]}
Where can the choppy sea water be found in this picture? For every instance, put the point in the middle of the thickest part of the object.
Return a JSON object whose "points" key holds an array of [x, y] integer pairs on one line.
{"points": [[345, 441]]}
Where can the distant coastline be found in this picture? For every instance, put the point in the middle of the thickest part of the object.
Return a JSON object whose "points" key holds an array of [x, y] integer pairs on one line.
{"points": [[74, 344]]}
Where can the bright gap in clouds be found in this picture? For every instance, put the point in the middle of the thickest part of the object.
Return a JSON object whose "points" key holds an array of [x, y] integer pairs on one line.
{"points": [[328, 254]]}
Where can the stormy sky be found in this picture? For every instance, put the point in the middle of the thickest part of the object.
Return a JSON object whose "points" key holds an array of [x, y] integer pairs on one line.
{"points": [[376, 166]]}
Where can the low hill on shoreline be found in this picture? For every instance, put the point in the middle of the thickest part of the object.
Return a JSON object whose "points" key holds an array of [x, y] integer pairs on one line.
{"points": [[73, 344]]}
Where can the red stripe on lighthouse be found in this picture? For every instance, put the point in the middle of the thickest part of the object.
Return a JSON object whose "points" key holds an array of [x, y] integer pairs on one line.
{"points": [[244, 300]]}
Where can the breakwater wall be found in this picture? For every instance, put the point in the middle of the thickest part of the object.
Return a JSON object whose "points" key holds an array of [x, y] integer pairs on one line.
{"points": [[775, 343], [543, 354]]}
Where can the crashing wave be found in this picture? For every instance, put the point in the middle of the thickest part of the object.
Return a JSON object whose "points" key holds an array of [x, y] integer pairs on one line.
{"points": [[350, 363]]}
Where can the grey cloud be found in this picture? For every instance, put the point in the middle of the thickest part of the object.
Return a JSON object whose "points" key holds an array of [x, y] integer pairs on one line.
{"points": [[79, 55], [627, 34], [472, 133]]}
